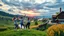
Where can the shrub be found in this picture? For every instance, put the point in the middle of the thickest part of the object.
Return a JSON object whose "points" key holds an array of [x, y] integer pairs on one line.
{"points": [[44, 20], [56, 30], [3, 28], [42, 27]]}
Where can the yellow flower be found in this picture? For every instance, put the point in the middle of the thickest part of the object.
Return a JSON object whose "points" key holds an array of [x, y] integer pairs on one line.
{"points": [[55, 28]]}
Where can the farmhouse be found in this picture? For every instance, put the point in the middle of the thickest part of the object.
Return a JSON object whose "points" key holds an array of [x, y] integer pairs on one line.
{"points": [[60, 16]]}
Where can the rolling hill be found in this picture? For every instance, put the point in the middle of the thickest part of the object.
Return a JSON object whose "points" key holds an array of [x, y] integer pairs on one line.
{"points": [[2, 13]]}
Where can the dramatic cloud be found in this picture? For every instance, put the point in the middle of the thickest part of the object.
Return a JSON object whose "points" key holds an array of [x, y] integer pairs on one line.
{"points": [[40, 7]]}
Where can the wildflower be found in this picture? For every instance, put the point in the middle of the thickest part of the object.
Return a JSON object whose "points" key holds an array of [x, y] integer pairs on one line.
{"points": [[56, 29]]}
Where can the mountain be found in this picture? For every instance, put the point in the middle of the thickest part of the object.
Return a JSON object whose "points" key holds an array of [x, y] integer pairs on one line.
{"points": [[2, 13], [44, 16]]}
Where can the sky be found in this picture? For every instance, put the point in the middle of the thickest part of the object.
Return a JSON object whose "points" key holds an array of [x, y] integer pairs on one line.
{"points": [[32, 7]]}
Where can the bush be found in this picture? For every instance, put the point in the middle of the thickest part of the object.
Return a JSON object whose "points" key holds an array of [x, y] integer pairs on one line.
{"points": [[3, 28], [44, 20], [43, 27], [56, 30]]}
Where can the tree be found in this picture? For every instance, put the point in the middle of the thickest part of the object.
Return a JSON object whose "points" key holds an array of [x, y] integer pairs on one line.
{"points": [[57, 13]]}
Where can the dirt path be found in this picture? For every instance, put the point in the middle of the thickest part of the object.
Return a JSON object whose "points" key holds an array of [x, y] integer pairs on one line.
{"points": [[34, 26]]}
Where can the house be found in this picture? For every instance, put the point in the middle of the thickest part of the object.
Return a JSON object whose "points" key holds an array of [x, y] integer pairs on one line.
{"points": [[60, 16], [53, 18]]}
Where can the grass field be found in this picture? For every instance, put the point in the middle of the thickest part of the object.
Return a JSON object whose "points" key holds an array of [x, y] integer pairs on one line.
{"points": [[23, 33], [8, 27]]}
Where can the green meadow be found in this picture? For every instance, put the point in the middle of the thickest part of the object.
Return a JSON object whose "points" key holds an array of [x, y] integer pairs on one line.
{"points": [[23, 33], [7, 29]]}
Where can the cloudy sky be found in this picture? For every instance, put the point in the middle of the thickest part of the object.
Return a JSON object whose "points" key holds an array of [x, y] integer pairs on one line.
{"points": [[32, 7]]}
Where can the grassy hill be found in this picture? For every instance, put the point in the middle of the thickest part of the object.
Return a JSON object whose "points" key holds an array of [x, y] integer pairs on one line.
{"points": [[23, 33], [6, 19], [2, 13], [7, 27]]}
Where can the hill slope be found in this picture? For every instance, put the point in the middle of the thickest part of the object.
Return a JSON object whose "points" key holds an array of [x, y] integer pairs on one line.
{"points": [[23, 33], [2, 13]]}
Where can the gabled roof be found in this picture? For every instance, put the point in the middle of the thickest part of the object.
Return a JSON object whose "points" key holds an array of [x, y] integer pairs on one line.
{"points": [[60, 15]]}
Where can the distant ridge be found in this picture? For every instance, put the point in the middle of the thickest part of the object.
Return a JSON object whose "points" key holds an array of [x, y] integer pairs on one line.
{"points": [[2, 13]]}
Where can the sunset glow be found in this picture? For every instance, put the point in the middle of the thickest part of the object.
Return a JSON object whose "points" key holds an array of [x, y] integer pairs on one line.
{"points": [[30, 13]]}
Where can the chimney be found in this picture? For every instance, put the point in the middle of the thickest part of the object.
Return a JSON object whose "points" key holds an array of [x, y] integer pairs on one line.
{"points": [[60, 10]]}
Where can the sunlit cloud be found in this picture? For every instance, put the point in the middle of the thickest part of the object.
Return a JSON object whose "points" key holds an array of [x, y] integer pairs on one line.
{"points": [[40, 1], [51, 1], [30, 13], [62, 0]]}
